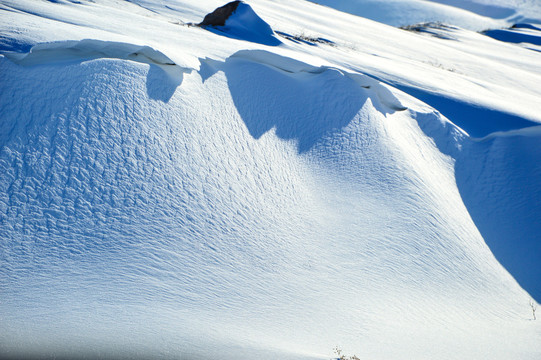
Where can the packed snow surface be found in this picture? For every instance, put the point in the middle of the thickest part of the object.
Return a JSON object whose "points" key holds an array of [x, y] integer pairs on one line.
{"points": [[296, 180]]}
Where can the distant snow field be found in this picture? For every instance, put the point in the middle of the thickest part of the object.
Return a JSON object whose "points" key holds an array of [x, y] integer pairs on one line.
{"points": [[293, 181]]}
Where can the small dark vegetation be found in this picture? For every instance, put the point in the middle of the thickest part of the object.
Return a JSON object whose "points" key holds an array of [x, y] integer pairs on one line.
{"points": [[341, 355], [305, 39], [435, 29]]}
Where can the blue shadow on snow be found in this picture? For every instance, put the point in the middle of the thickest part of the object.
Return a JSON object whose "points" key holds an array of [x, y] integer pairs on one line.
{"points": [[516, 37], [301, 102], [476, 121], [497, 179]]}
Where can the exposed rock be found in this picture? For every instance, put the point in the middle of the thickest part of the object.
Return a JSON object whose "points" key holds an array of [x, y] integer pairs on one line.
{"points": [[219, 16]]}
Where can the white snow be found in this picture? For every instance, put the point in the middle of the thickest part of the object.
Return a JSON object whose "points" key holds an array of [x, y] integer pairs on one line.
{"points": [[409, 12], [170, 191], [469, 14]]}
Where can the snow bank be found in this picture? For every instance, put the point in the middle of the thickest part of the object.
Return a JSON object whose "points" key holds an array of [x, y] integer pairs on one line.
{"points": [[285, 88], [88, 49]]}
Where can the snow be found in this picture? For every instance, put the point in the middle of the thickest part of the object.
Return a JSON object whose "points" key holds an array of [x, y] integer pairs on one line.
{"points": [[527, 35], [409, 12], [172, 192], [468, 14], [511, 10]]}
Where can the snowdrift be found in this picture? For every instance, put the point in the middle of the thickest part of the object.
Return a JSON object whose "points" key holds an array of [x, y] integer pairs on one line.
{"points": [[196, 195]]}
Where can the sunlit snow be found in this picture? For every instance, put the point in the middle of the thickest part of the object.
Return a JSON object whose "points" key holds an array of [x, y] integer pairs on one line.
{"points": [[296, 180]]}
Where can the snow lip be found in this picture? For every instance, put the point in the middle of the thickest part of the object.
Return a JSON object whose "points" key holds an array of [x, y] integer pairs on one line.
{"points": [[61, 52], [164, 75], [87, 49]]}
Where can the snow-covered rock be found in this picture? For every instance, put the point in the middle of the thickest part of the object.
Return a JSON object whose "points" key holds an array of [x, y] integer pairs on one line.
{"points": [[239, 21]]}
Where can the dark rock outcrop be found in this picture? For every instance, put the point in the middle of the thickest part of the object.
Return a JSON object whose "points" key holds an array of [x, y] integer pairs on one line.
{"points": [[219, 16]]}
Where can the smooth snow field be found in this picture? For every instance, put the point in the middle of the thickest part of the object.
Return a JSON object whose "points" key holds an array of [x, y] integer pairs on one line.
{"points": [[294, 181]]}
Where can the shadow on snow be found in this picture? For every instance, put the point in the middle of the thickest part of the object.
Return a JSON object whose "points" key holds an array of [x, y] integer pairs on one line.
{"points": [[300, 101]]}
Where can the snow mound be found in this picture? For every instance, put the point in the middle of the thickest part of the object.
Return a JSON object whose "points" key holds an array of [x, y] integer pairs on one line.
{"points": [[181, 228], [477, 121], [493, 8], [239, 21]]}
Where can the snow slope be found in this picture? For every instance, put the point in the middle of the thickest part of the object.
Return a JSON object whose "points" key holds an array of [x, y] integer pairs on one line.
{"points": [[526, 35], [409, 12], [468, 14], [513, 11], [167, 191]]}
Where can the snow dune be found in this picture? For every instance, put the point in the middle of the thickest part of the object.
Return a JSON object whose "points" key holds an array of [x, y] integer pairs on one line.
{"points": [[255, 201]]}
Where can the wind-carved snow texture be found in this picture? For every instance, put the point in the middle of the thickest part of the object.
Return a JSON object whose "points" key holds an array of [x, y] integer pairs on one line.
{"points": [[213, 219], [498, 178], [182, 228]]}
